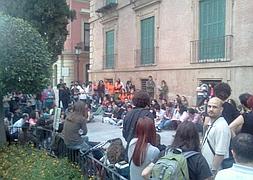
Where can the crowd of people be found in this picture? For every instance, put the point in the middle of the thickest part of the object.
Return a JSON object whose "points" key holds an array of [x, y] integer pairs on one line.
{"points": [[222, 135], [226, 142]]}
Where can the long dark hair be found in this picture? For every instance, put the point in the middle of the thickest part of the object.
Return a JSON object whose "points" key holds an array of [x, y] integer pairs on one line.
{"points": [[187, 137], [146, 133], [80, 111]]}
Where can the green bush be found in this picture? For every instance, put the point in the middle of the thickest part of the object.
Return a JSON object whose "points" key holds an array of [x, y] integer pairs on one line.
{"points": [[23, 162], [25, 62]]}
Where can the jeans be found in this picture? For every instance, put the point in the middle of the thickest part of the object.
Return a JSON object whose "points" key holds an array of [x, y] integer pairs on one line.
{"points": [[165, 123]]}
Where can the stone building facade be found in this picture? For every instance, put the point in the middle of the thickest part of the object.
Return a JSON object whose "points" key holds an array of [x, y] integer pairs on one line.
{"points": [[182, 42]]}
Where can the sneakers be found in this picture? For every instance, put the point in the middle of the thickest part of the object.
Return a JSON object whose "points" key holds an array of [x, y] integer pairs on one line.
{"points": [[158, 129]]}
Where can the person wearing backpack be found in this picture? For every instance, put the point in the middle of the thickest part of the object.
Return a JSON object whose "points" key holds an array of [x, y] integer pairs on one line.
{"points": [[141, 102], [183, 160], [142, 150]]}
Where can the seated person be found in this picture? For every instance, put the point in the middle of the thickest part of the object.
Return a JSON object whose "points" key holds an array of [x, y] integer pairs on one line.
{"points": [[192, 115], [75, 126], [159, 114], [165, 122]]}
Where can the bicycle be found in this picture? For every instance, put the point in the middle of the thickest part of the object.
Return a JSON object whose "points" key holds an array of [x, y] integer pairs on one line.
{"points": [[99, 168]]}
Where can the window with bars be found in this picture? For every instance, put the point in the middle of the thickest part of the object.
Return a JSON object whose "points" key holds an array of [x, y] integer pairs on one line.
{"points": [[147, 41], [212, 29], [143, 84], [109, 49]]}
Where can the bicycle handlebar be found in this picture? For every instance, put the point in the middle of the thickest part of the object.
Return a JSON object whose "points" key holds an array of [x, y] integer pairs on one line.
{"points": [[98, 146]]}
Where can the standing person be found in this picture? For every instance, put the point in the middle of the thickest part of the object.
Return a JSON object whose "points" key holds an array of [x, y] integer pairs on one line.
{"points": [[215, 145], [230, 113], [187, 139], [244, 122], [60, 89], [141, 101], [129, 85], [101, 90], [242, 149], [65, 99], [185, 102], [49, 97], [223, 91], [211, 90], [117, 89], [142, 150], [202, 93], [164, 90], [150, 87], [243, 100]]}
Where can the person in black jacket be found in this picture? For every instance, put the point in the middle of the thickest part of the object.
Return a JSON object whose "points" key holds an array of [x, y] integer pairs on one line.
{"points": [[141, 101]]}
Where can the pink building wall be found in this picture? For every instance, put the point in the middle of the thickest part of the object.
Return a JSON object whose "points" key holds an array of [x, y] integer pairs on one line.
{"points": [[75, 37], [75, 27]]}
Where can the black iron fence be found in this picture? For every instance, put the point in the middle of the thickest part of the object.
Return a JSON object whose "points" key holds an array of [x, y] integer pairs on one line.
{"points": [[217, 49], [53, 143]]}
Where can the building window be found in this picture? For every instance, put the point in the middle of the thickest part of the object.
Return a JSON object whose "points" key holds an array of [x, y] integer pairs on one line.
{"points": [[110, 1], [212, 29], [109, 50], [86, 36], [147, 41], [143, 84]]}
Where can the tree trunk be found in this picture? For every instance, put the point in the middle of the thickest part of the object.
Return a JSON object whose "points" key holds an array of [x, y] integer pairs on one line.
{"points": [[2, 130]]}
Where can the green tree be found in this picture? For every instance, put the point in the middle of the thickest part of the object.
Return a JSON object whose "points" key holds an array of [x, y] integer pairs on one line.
{"points": [[49, 17], [25, 62]]}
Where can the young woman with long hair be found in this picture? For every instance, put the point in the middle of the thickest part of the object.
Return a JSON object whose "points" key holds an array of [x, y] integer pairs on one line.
{"points": [[187, 139], [142, 150], [75, 126]]}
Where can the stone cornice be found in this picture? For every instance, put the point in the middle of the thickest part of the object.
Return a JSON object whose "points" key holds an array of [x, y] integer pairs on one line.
{"points": [[140, 5]]}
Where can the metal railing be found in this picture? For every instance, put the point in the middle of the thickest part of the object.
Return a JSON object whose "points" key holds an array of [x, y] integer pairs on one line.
{"points": [[84, 47], [107, 7], [53, 143], [212, 50], [109, 61], [146, 56]]}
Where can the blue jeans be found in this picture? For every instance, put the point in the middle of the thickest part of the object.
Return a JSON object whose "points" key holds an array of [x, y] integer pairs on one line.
{"points": [[165, 123]]}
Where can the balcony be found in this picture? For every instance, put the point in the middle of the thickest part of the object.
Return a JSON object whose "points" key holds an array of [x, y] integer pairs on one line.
{"points": [[146, 57], [109, 61], [84, 46], [107, 7], [212, 50]]}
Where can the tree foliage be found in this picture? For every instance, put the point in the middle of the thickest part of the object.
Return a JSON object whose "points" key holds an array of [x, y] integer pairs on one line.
{"points": [[49, 17], [25, 62]]}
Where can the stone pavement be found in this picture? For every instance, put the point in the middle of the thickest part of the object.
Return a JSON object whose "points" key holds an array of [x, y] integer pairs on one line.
{"points": [[98, 131]]}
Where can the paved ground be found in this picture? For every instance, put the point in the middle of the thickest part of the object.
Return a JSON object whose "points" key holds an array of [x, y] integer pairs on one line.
{"points": [[98, 131]]}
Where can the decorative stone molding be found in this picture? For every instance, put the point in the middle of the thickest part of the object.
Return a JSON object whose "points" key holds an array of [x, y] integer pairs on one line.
{"points": [[140, 4]]}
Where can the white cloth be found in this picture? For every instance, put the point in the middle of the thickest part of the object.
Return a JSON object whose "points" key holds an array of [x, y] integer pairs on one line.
{"points": [[17, 125], [219, 137], [236, 172]]}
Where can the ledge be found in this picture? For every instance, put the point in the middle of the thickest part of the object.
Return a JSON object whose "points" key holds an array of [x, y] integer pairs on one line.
{"points": [[140, 5]]}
